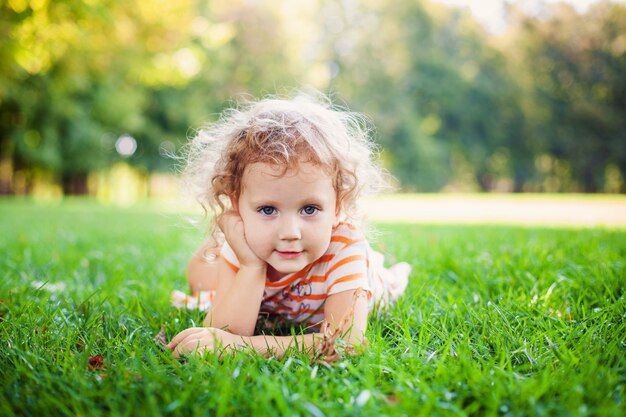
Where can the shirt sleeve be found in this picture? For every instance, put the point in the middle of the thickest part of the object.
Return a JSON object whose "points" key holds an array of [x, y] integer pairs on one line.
{"points": [[229, 257], [349, 268]]}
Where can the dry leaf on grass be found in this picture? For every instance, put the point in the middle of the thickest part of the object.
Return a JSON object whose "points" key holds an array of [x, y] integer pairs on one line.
{"points": [[95, 362], [161, 339]]}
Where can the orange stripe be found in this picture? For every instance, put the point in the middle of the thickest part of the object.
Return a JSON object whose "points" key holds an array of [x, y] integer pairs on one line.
{"points": [[344, 261], [296, 312], [278, 297], [345, 240], [314, 278], [324, 258], [299, 274], [294, 277], [295, 297], [348, 225], [233, 266], [346, 278]]}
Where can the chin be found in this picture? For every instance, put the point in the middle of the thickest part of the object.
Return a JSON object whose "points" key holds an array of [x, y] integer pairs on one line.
{"points": [[288, 270]]}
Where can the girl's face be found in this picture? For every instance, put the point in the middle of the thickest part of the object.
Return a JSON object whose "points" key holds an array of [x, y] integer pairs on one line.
{"points": [[288, 219]]}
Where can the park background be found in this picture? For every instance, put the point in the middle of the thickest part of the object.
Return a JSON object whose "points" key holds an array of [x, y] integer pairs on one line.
{"points": [[515, 119], [96, 96]]}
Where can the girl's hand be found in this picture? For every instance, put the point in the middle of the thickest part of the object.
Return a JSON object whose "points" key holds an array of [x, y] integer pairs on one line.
{"points": [[232, 226], [200, 339]]}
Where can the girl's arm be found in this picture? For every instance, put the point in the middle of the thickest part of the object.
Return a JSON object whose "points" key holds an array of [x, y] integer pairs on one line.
{"points": [[237, 299], [346, 312], [238, 295]]}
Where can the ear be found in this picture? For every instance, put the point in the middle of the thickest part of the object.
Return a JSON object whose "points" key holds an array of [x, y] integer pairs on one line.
{"points": [[337, 215], [234, 203]]}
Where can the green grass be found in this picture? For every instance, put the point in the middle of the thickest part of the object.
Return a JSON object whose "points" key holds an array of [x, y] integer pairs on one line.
{"points": [[506, 321]]}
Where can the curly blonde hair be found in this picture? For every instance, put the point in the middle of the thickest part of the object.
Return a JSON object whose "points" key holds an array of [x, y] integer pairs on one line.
{"points": [[284, 133]]}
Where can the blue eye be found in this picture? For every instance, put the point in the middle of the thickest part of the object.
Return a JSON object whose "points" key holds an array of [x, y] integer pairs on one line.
{"points": [[310, 210], [267, 210]]}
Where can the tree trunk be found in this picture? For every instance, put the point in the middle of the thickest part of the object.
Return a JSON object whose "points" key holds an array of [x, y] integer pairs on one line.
{"points": [[485, 181], [590, 181], [6, 188], [74, 184], [520, 175]]}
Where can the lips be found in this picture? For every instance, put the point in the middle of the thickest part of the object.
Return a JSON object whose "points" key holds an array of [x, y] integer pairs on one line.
{"points": [[289, 254]]}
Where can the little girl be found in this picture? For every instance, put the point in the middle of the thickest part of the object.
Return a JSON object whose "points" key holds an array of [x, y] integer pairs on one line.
{"points": [[282, 179]]}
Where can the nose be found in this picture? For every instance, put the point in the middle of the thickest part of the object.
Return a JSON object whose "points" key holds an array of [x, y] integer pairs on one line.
{"points": [[290, 228]]}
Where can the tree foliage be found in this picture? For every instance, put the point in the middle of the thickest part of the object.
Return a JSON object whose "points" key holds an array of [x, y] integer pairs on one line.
{"points": [[578, 63], [540, 108]]}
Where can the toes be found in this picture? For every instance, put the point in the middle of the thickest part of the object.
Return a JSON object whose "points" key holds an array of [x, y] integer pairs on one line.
{"points": [[401, 270]]}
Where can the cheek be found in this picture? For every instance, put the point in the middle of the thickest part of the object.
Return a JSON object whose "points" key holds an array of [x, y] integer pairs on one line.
{"points": [[256, 235], [322, 234]]}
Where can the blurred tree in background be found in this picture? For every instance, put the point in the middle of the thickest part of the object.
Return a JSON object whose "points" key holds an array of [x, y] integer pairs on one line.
{"points": [[577, 64], [445, 102], [87, 84]]}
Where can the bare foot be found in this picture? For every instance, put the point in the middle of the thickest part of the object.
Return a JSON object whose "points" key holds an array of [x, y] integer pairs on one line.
{"points": [[399, 279]]}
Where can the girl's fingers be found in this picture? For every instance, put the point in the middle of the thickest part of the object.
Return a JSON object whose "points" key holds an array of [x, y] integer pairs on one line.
{"points": [[196, 342], [233, 228], [183, 335], [228, 220]]}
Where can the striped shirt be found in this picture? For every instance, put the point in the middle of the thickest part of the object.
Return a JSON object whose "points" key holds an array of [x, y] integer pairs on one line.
{"points": [[299, 297]]}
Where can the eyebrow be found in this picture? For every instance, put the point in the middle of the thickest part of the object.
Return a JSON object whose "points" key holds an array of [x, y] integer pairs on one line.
{"points": [[306, 201]]}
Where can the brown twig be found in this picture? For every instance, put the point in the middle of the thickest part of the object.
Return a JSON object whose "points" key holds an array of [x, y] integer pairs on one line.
{"points": [[333, 348]]}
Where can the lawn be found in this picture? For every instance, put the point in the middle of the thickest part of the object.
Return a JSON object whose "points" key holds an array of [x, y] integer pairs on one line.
{"points": [[497, 320]]}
